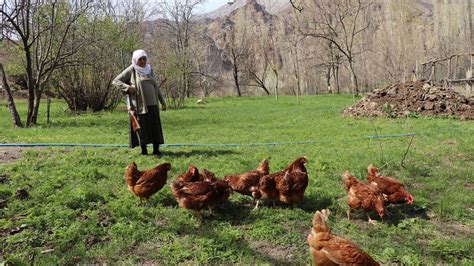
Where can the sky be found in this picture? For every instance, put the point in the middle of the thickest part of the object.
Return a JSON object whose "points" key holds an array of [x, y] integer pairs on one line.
{"points": [[211, 5]]}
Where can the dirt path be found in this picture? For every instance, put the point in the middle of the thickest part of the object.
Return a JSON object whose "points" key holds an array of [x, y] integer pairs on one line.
{"points": [[11, 154]]}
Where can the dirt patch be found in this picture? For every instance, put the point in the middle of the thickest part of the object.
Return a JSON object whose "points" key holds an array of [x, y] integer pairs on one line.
{"points": [[277, 253], [454, 228], [413, 98], [10, 154], [469, 185]]}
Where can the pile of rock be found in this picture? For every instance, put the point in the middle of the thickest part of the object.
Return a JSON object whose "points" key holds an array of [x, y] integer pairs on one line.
{"points": [[413, 98]]}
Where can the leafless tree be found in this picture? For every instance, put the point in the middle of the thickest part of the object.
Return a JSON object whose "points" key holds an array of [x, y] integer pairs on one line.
{"points": [[262, 59], [340, 22], [178, 20], [42, 29], [273, 59]]}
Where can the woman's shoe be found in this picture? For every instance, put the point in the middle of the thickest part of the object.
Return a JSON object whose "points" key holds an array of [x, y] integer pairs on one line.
{"points": [[144, 150]]}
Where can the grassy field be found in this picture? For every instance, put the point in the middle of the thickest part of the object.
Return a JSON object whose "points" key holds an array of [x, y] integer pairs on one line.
{"points": [[80, 211]]}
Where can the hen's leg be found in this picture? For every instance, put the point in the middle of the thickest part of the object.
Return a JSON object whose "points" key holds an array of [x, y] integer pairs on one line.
{"points": [[211, 211], [256, 205], [274, 204], [349, 213], [371, 221], [197, 214]]}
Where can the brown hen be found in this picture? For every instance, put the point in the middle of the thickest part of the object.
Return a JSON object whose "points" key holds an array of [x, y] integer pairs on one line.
{"points": [[147, 182], [288, 185], [191, 175], [329, 249], [247, 183], [207, 192], [363, 196], [393, 190]]}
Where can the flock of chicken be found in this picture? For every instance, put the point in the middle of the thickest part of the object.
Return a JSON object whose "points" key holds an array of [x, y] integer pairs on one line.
{"points": [[195, 190]]}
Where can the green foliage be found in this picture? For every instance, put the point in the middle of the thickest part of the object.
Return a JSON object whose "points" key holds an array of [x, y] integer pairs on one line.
{"points": [[80, 211], [388, 109]]}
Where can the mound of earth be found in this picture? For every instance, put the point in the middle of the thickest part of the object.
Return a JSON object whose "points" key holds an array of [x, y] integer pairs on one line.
{"points": [[413, 98]]}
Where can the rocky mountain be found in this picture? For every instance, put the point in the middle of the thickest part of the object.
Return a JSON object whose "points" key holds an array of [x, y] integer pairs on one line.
{"points": [[271, 6], [404, 34]]}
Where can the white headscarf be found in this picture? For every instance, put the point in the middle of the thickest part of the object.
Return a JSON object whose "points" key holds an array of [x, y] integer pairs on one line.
{"points": [[144, 71]]}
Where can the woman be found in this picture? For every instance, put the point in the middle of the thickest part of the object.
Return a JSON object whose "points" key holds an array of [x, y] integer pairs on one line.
{"points": [[143, 95]]}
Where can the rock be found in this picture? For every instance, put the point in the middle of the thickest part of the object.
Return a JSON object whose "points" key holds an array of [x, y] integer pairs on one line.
{"points": [[392, 91], [429, 106], [426, 86], [430, 97], [21, 194]]}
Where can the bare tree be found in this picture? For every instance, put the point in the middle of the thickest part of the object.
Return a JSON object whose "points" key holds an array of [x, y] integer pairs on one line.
{"points": [[179, 15], [205, 62], [258, 74], [42, 29], [293, 42], [340, 22], [273, 59], [237, 47]]}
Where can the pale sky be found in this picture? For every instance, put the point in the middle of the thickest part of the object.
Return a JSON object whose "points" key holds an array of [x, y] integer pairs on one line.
{"points": [[211, 5]]}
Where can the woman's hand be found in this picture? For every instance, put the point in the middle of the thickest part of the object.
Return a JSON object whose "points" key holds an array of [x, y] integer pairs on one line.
{"points": [[163, 107], [132, 90]]}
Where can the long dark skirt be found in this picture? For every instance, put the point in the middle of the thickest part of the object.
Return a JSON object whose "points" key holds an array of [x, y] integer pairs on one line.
{"points": [[150, 131]]}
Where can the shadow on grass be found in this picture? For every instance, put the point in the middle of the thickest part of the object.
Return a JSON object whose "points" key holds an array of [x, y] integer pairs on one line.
{"points": [[213, 153], [238, 214], [231, 212], [312, 203], [398, 213]]}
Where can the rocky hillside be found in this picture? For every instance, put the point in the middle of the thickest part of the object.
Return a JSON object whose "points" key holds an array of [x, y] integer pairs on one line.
{"points": [[410, 32], [271, 6]]}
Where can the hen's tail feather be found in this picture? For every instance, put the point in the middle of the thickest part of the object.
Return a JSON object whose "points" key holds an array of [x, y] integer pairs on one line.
{"points": [[320, 221]]}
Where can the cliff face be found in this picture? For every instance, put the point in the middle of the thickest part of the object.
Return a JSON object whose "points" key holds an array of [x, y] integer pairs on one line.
{"points": [[271, 6], [415, 30]]}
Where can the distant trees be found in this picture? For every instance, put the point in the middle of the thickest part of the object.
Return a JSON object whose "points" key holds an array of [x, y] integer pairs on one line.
{"points": [[114, 32], [74, 48], [237, 48], [180, 27], [47, 32], [341, 23]]}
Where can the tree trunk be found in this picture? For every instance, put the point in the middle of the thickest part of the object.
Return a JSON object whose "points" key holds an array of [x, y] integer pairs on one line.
{"points": [[235, 73], [354, 78], [236, 80], [34, 115], [31, 87], [11, 103], [265, 89], [328, 79], [276, 85]]}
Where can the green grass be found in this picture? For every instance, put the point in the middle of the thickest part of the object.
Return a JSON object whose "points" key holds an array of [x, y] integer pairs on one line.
{"points": [[80, 211]]}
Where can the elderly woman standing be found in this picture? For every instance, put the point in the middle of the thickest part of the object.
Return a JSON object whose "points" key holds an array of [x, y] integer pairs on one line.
{"points": [[143, 96]]}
